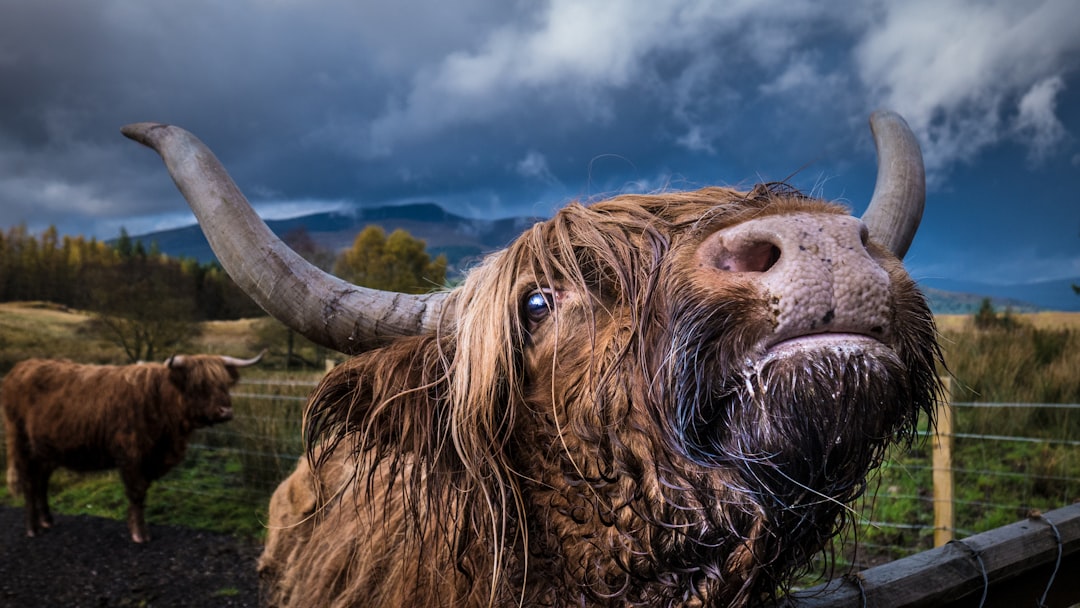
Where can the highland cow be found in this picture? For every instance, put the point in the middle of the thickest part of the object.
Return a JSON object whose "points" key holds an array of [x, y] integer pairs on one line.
{"points": [[653, 400], [135, 418]]}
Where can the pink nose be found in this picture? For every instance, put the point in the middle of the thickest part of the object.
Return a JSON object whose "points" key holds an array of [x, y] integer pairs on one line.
{"points": [[812, 269]]}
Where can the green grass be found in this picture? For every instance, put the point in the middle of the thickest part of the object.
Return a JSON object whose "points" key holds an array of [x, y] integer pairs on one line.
{"points": [[206, 491], [995, 485]]}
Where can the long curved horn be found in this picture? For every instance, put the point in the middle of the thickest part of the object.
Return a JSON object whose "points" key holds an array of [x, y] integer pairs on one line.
{"points": [[896, 208], [318, 305]]}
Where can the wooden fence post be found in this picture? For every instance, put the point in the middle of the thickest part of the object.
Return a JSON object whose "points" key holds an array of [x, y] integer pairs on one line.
{"points": [[941, 449]]}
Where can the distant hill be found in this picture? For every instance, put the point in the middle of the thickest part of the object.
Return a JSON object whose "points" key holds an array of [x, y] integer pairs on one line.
{"points": [[462, 240], [465, 240], [955, 303], [949, 296]]}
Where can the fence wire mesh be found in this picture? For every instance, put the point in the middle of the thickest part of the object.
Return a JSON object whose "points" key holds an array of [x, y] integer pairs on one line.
{"points": [[999, 477]]}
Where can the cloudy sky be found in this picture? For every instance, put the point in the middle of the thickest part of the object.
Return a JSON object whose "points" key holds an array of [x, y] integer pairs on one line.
{"points": [[496, 108]]}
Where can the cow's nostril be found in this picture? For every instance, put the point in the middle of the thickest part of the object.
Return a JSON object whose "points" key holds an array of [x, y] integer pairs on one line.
{"points": [[752, 256]]}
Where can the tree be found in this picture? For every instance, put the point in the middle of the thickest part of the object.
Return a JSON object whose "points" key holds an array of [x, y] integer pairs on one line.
{"points": [[300, 241], [300, 353], [123, 244], [1076, 288], [987, 318], [144, 306], [399, 262]]}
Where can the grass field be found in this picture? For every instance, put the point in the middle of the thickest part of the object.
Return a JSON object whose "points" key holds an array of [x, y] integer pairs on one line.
{"points": [[225, 483]]}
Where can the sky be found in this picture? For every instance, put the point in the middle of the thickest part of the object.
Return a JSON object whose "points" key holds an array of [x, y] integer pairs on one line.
{"points": [[498, 108]]}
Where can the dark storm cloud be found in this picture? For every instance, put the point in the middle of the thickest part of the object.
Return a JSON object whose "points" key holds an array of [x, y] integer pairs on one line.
{"points": [[501, 108], [258, 81]]}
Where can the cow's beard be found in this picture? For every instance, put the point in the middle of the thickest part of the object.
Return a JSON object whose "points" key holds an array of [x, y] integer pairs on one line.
{"points": [[805, 427], [783, 444]]}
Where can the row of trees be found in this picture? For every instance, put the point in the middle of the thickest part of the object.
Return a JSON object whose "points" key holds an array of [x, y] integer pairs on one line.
{"points": [[148, 302], [122, 276]]}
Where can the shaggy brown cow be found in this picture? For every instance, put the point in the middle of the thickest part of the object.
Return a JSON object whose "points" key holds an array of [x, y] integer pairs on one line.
{"points": [[136, 418], [654, 400]]}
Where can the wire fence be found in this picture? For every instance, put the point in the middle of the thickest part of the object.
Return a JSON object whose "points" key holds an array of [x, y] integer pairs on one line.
{"points": [[1007, 461], [265, 435], [1000, 475]]}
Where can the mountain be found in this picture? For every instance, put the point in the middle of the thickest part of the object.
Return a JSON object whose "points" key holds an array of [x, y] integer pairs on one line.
{"points": [[462, 240], [465, 240], [959, 296]]}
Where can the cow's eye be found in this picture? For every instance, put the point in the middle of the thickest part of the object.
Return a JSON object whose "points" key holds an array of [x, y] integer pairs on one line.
{"points": [[538, 305]]}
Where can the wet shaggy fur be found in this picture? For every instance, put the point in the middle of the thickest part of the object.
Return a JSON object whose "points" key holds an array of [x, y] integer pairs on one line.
{"points": [[136, 418], [601, 427]]}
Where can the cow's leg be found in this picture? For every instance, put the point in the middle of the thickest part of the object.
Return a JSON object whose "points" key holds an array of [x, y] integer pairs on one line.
{"points": [[135, 486], [28, 477], [45, 518], [28, 487], [35, 490]]}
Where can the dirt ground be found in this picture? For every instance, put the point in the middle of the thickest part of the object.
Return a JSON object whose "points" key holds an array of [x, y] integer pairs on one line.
{"points": [[90, 562]]}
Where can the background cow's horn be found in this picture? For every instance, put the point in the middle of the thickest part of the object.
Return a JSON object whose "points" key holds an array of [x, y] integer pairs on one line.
{"points": [[318, 305], [900, 191], [237, 362]]}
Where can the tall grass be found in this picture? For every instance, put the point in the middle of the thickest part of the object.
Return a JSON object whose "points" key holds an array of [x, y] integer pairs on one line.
{"points": [[1019, 364], [1023, 365]]}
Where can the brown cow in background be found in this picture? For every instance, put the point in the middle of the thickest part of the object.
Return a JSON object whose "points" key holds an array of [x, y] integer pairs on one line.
{"points": [[136, 418]]}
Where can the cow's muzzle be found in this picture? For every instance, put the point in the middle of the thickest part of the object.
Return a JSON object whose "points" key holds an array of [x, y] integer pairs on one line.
{"points": [[812, 270]]}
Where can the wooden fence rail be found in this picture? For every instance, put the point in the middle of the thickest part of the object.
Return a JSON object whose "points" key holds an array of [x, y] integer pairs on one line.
{"points": [[1035, 562]]}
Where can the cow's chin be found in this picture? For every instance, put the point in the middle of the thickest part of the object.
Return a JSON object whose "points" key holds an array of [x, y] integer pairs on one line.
{"points": [[790, 439], [806, 420]]}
